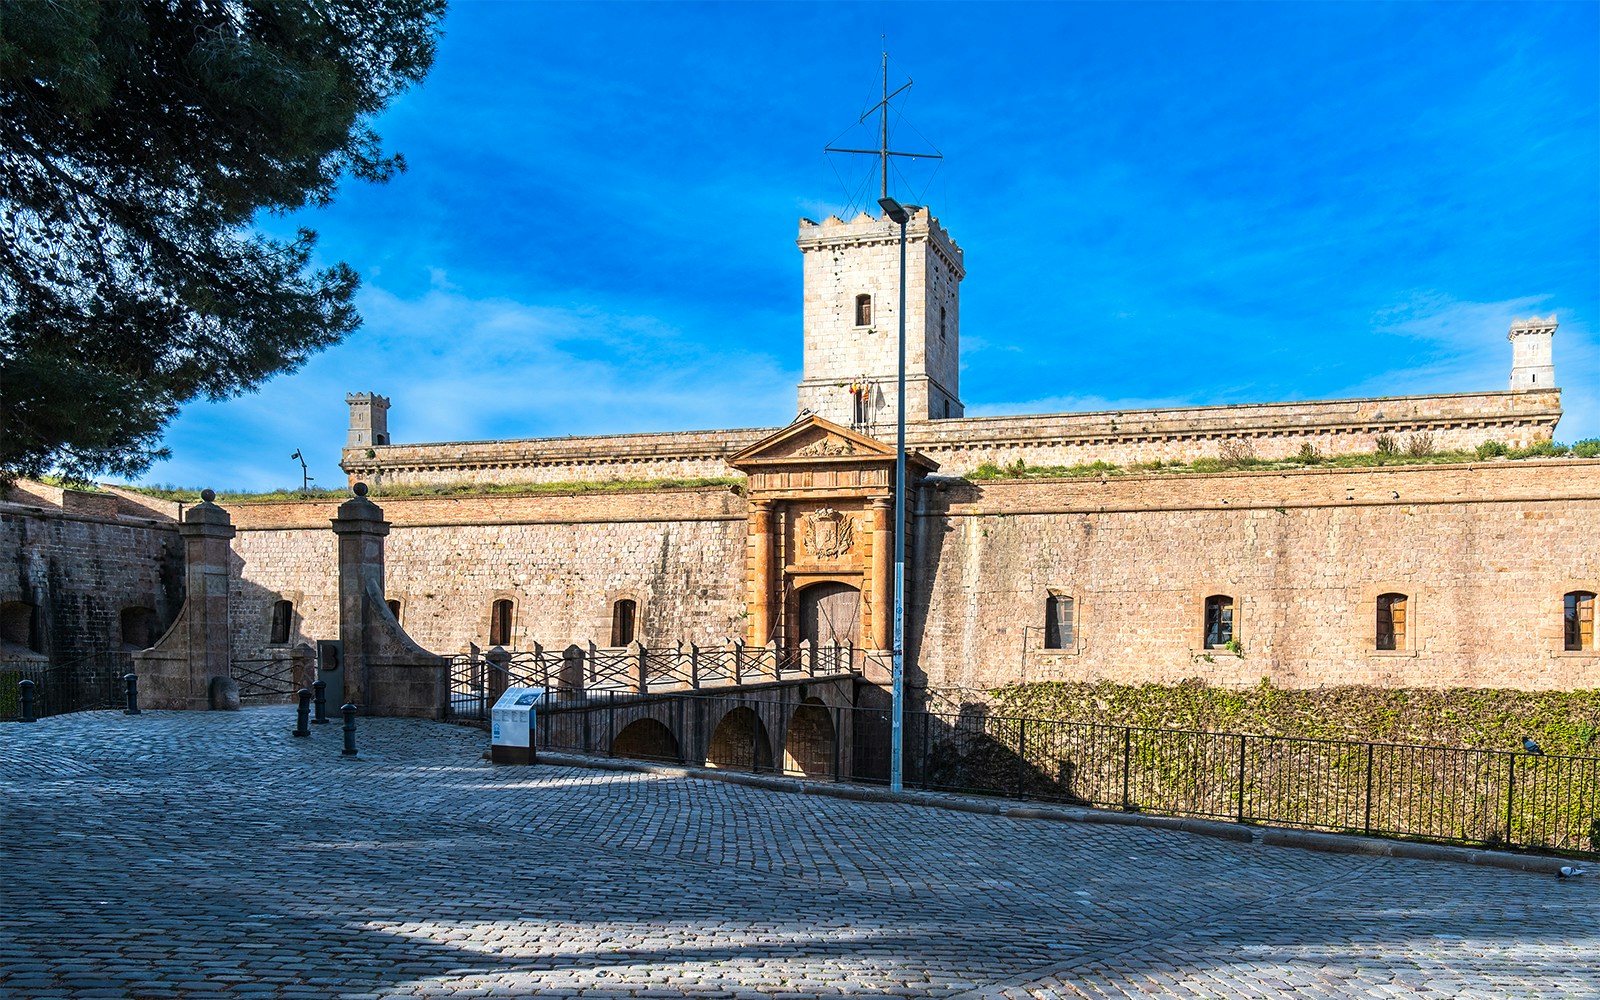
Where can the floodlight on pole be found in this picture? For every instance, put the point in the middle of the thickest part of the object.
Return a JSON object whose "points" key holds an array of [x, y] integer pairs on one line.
{"points": [[901, 214]]}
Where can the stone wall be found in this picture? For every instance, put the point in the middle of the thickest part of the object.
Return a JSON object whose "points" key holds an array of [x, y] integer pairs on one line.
{"points": [[1125, 437], [1484, 553], [77, 565], [562, 560]]}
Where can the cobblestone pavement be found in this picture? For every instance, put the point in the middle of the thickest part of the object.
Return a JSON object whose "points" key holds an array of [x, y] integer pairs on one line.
{"points": [[209, 855]]}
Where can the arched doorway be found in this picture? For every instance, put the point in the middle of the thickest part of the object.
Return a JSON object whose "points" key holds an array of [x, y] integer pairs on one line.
{"points": [[740, 741], [830, 613], [808, 749], [646, 739]]}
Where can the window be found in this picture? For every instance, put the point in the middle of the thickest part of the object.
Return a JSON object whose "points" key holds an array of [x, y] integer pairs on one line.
{"points": [[1577, 617], [394, 609], [16, 625], [139, 628], [500, 623], [863, 310], [1391, 621], [1219, 621], [1058, 622], [941, 324], [861, 403], [623, 617], [282, 622]]}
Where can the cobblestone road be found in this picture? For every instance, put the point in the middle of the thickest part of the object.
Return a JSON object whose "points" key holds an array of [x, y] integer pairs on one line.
{"points": [[208, 855]]}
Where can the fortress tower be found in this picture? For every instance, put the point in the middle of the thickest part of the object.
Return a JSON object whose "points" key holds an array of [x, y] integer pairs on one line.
{"points": [[369, 420], [852, 295], [1532, 366]]}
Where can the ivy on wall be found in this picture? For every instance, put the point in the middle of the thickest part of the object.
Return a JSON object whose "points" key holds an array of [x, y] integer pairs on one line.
{"points": [[1563, 722]]}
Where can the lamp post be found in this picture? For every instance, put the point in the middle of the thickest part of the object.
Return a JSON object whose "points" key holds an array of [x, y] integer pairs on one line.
{"points": [[901, 214]]}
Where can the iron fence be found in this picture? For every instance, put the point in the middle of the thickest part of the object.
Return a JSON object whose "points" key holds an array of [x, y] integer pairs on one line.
{"points": [[268, 678], [84, 684], [1451, 794]]}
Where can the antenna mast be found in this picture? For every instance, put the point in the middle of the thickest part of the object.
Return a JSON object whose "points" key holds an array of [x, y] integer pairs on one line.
{"points": [[883, 152]]}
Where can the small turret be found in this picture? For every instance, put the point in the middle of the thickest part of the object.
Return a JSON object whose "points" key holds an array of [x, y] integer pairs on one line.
{"points": [[1532, 366], [369, 420]]}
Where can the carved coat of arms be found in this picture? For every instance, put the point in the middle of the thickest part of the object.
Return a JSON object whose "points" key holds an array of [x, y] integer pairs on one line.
{"points": [[829, 534], [826, 446]]}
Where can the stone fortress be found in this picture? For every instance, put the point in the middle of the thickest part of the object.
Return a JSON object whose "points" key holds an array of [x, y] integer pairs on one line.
{"points": [[1461, 575]]}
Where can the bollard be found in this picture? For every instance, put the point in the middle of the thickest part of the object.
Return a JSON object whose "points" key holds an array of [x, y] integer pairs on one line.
{"points": [[303, 714], [132, 682], [25, 694], [349, 731], [320, 700]]}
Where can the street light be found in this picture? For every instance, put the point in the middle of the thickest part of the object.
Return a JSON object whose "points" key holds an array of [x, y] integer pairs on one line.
{"points": [[901, 214]]}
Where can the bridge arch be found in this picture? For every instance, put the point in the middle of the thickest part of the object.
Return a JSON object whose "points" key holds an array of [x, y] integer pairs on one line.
{"points": [[808, 747], [740, 741], [647, 739]]}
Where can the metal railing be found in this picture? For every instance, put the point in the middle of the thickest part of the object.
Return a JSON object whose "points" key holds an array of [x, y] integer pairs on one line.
{"points": [[87, 683], [268, 678], [1489, 797], [479, 677]]}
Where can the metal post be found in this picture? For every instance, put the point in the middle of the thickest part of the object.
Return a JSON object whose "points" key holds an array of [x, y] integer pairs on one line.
{"points": [[1241, 778], [897, 212], [838, 732], [131, 681], [25, 695], [302, 715], [319, 701], [927, 725], [755, 743], [1367, 823], [349, 712], [1511, 792], [611, 723], [1022, 753], [1127, 761]]}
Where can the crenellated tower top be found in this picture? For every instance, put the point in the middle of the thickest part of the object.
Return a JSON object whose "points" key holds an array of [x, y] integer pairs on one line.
{"points": [[1532, 360]]}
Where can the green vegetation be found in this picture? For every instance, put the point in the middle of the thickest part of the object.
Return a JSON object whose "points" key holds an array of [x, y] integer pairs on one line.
{"points": [[1563, 722], [190, 495], [1416, 450]]}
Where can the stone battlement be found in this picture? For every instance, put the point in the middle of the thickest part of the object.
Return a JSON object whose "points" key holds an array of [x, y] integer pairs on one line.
{"points": [[1457, 421]]}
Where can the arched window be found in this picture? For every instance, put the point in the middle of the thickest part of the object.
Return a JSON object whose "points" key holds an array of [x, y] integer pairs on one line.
{"points": [[863, 310], [394, 609], [1391, 633], [138, 628], [624, 618], [282, 622], [1219, 621], [1058, 622], [1577, 619], [16, 625], [500, 623]]}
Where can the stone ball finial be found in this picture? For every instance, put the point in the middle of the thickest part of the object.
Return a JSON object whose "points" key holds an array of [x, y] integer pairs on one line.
{"points": [[360, 489], [208, 495]]}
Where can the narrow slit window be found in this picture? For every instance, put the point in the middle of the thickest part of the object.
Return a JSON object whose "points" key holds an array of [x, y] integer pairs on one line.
{"points": [[1577, 617], [1219, 621], [282, 622], [863, 310], [1058, 622], [394, 609], [941, 323], [624, 616], [1391, 621], [500, 623]]}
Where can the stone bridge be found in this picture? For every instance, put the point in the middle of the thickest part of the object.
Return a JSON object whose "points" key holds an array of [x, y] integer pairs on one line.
{"points": [[811, 726]]}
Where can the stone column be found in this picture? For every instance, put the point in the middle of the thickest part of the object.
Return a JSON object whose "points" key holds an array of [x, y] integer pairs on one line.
{"points": [[760, 586], [361, 530], [179, 671], [882, 605]]}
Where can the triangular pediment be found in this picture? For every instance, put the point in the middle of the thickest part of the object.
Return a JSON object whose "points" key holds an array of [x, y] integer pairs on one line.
{"points": [[815, 438]]}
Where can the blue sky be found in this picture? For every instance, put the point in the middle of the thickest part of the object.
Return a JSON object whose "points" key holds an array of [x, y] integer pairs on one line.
{"points": [[1160, 204]]}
